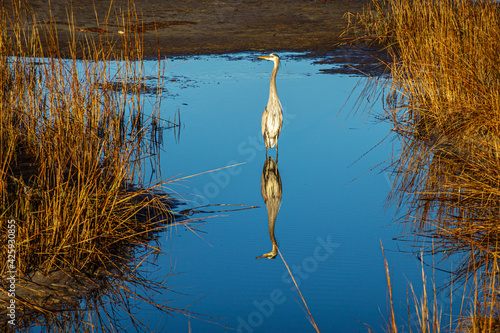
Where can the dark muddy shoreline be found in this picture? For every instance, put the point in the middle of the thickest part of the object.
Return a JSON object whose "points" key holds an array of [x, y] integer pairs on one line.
{"points": [[205, 27]]}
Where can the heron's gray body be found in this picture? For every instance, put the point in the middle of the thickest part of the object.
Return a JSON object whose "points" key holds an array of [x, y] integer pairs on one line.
{"points": [[272, 117]]}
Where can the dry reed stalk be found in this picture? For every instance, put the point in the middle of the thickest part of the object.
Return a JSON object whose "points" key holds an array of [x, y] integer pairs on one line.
{"points": [[429, 320], [393, 326], [308, 312]]}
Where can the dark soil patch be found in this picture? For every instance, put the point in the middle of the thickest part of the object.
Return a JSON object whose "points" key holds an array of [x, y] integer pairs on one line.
{"points": [[171, 27]]}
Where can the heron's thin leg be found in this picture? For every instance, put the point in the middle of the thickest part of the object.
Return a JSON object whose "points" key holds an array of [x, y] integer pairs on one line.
{"points": [[276, 152]]}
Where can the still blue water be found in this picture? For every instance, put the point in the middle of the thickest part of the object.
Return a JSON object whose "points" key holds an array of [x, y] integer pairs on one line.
{"points": [[332, 217]]}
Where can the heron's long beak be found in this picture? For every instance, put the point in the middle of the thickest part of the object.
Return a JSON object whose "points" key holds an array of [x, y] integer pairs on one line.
{"points": [[265, 57]]}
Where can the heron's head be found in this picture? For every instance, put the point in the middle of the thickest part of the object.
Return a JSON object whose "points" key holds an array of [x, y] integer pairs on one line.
{"points": [[273, 57]]}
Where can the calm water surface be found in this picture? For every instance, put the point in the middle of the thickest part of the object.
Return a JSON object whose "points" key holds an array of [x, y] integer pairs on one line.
{"points": [[332, 216]]}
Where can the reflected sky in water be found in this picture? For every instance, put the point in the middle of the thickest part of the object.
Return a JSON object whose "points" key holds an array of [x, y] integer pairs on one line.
{"points": [[331, 219]]}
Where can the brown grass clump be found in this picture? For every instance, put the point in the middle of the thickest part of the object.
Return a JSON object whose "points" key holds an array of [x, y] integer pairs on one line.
{"points": [[71, 146], [73, 140], [444, 102]]}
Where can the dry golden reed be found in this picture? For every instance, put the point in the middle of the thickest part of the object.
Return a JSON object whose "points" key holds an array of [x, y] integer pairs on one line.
{"points": [[72, 142], [444, 103]]}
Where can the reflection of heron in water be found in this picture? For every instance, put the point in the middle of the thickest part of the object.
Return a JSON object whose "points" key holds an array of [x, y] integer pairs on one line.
{"points": [[270, 188], [272, 117]]}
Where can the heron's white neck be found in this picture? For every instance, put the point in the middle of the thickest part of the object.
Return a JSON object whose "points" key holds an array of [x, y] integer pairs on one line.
{"points": [[273, 93]]}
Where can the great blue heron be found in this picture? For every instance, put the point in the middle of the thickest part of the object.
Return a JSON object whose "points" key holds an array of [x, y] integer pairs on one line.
{"points": [[272, 117], [271, 191]]}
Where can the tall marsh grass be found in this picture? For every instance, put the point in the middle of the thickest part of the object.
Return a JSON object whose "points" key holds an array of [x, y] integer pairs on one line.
{"points": [[444, 103], [74, 140]]}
